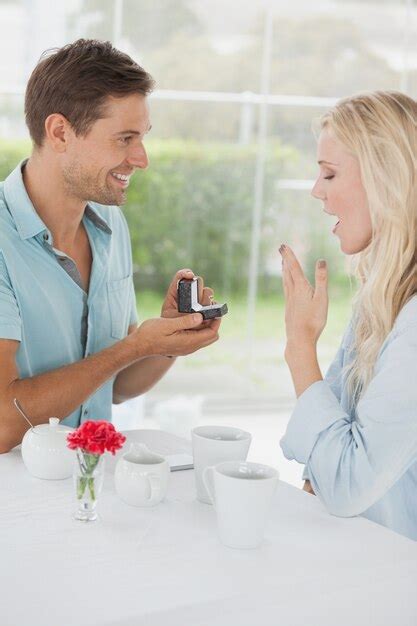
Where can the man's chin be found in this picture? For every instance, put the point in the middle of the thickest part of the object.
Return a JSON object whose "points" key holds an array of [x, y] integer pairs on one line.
{"points": [[117, 199]]}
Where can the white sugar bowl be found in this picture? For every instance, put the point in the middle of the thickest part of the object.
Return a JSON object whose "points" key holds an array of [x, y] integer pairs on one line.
{"points": [[45, 452]]}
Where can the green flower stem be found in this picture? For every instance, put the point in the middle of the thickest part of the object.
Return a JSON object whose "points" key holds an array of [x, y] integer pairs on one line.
{"points": [[91, 488], [81, 483], [88, 463]]}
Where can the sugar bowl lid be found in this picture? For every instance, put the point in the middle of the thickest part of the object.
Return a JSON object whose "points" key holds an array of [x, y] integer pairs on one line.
{"points": [[52, 428]]}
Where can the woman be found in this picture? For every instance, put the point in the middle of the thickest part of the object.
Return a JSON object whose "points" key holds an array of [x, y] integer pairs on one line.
{"points": [[356, 430]]}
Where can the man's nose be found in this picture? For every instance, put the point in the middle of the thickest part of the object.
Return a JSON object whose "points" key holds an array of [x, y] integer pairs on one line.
{"points": [[138, 157]]}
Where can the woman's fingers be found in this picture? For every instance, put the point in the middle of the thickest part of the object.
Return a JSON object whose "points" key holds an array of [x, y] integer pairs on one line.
{"points": [[284, 285], [287, 280], [321, 279], [292, 264], [305, 306], [292, 273]]}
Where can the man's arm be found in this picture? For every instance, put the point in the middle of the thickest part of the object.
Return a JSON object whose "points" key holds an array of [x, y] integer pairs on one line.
{"points": [[140, 376], [144, 374], [60, 391], [56, 393]]}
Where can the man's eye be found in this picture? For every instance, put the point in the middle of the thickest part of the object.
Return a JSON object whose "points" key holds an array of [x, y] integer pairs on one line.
{"points": [[329, 177], [125, 139]]}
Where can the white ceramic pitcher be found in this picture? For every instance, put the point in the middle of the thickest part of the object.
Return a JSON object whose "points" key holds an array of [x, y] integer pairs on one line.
{"points": [[141, 476]]}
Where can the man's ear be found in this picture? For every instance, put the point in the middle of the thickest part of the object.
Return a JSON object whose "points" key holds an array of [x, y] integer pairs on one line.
{"points": [[58, 132]]}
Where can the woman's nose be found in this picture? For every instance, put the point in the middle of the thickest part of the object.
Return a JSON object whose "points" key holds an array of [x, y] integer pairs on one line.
{"points": [[318, 191]]}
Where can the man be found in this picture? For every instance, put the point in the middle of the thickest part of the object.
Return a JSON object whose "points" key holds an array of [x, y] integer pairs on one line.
{"points": [[70, 344]]}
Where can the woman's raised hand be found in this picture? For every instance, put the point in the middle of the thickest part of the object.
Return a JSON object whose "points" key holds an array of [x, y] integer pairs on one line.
{"points": [[305, 306]]}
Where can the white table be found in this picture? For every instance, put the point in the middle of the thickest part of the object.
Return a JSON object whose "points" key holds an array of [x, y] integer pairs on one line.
{"points": [[165, 566]]}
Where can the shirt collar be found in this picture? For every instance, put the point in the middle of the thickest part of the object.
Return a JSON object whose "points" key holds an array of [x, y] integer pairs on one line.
{"points": [[28, 222], [97, 219]]}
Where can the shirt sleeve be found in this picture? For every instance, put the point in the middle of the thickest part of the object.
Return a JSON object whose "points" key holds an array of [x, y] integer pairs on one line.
{"points": [[133, 315], [334, 375], [133, 310], [10, 320], [352, 464]]}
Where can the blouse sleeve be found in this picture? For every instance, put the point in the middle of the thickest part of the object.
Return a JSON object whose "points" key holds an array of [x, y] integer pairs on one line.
{"points": [[352, 464], [333, 375]]}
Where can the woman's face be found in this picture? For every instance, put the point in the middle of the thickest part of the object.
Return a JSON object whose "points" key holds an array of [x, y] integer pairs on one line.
{"points": [[340, 188]]}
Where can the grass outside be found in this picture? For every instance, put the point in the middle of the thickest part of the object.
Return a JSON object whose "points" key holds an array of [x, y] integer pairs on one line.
{"points": [[269, 316], [237, 384], [235, 367]]}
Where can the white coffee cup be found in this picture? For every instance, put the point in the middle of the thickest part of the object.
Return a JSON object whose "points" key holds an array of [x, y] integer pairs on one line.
{"points": [[242, 494], [141, 476], [214, 444]]}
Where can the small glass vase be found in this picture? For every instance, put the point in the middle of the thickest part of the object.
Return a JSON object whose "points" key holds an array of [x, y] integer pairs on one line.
{"points": [[88, 480]]}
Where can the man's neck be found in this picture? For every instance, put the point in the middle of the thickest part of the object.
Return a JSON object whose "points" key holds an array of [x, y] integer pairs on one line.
{"points": [[61, 213]]}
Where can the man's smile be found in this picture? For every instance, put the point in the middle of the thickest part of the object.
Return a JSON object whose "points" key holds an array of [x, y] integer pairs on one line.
{"points": [[121, 179]]}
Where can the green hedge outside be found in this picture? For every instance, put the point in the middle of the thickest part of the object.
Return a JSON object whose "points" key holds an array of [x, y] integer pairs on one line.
{"points": [[193, 208]]}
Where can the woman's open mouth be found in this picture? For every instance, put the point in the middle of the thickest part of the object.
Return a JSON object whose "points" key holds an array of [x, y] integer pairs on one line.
{"points": [[335, 226]]}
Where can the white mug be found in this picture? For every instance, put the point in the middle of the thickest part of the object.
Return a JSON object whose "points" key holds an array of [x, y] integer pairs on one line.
{"points": [[214, 444], [141, 476], [242, 494]]}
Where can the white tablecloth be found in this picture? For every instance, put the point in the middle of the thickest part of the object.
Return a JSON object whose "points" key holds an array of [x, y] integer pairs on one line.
{"points": [[165, 566]]}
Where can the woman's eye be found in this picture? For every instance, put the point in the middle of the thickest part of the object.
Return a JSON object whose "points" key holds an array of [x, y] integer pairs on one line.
{"points": [[329, 177], [125, 139]]}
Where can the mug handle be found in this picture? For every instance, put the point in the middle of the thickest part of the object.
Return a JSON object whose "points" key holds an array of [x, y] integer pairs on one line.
{"points": [[154, 488], [208, 480]]}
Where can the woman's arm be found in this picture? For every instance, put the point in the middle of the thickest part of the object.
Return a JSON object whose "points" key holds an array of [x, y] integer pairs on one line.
{"points": [[307, 487], [334, 378], [305, 371], [305, 318], [302, 361], [353, 464]]}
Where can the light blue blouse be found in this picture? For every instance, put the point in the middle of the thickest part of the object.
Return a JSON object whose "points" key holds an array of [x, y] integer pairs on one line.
{"points": [[362, 460]]}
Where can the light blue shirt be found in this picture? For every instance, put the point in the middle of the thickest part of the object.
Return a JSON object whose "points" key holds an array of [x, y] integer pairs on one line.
{"points": [[362, 460], [42, 301]]}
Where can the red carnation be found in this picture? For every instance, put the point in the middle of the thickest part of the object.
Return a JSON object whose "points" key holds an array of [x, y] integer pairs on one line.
{"points": [[95, 437]]}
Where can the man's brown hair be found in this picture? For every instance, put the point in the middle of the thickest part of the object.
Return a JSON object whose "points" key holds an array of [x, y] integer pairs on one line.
{"points": [[76, 80]]}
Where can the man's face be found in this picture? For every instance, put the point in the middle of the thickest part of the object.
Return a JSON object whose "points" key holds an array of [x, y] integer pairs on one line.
{"points": [[98, 166]]}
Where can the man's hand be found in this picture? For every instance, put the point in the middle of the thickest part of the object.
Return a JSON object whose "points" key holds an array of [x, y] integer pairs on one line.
{"points": [[170, 304], [173, 336], [307, 487], [205, 297]]}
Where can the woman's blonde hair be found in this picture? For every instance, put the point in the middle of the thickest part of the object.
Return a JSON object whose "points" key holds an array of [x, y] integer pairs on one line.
{"points": [[380, 130]]}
